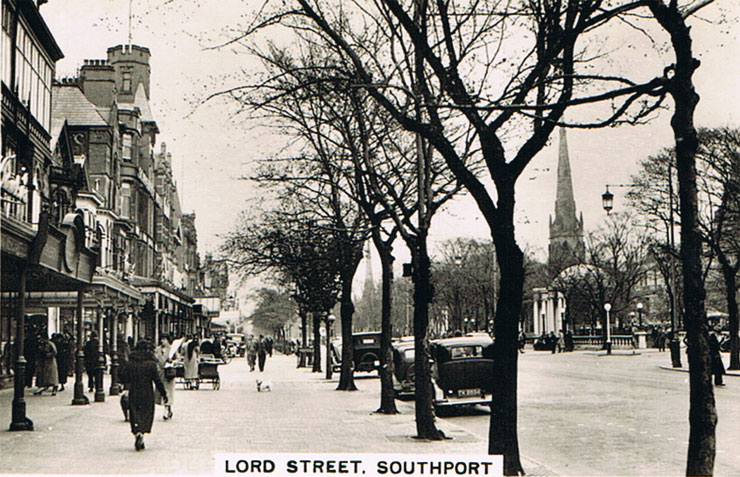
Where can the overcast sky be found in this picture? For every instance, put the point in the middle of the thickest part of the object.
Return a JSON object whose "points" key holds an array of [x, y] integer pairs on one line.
{"points": [[211, 148]]}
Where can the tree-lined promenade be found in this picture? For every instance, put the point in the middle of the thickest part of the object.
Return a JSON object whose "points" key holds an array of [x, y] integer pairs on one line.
{"points": [[392, 108]]}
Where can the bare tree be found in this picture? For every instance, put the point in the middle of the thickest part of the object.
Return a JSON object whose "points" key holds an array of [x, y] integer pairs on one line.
{"points": [[718, 188], [703, 412]]}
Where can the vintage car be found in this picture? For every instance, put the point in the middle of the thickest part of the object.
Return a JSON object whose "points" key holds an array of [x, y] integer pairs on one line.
{"points": [[237, 343], [403, 367], [366, 351], [462, 371]]}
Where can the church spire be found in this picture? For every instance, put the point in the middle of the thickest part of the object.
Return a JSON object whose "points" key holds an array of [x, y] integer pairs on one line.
{"points": [[566, 230], [565, 203]]}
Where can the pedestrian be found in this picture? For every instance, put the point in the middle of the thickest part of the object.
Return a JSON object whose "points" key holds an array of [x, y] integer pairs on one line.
{"points": [[91, 360], [162, 354], [63, 361], [718, 367], [140, 373], [47, 374], [561, 341], [261, 353], [192, 352], [268, 345], [252, 354], [9, 357], [552, 342], [30, 352], [123, 349], [522, 340]]}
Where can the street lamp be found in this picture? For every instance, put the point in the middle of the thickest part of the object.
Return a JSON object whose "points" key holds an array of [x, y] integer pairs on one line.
{"points": [[607, 201], [607, 308], [329, 322], [639, 313], [465, 325]]}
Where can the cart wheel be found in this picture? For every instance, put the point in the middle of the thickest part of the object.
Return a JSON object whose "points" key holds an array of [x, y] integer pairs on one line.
{"points": [[216, 384]]}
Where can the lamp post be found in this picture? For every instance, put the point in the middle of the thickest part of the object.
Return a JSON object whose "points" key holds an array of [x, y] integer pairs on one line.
{"points": [[465, 325], [639, 314], [329, 322], [79, 388], [607, 202], [607, 308]]}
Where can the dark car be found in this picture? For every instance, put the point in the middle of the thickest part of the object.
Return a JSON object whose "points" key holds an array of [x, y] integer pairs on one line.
{"points": [[366, 351], [462, 371], [403, 367]]}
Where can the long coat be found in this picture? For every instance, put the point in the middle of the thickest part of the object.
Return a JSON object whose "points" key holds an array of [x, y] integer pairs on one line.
{"points": [[718, 367], [63, 355], [140, 373], [46, 366]]}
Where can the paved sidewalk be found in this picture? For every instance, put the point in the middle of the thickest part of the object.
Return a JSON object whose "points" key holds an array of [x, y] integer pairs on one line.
{"points": [[303, 413]]}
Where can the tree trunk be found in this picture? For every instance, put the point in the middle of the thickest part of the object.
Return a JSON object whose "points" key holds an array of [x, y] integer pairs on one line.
{"points": [[424, 393], [347, 375], [502, 435], [387, 395], [316, 343], [304, 337], [702, 410], [731, 290]]}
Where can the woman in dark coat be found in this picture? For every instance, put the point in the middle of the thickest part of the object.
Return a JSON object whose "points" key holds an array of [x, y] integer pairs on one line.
{"points": [[63, 362], [140, 372]]}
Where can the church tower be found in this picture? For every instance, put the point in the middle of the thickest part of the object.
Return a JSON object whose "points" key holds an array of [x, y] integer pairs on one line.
{"points": [[566, 230]]}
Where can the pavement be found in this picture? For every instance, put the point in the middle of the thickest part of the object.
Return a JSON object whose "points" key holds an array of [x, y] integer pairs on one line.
{"points": [[303, 413], [580, 413]]}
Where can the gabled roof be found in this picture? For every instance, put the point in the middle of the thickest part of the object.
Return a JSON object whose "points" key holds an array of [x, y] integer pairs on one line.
{"points": [[68, 102]]}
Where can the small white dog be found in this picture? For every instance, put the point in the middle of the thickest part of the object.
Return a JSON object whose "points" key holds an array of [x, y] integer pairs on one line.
{"points": [[264, 386]]}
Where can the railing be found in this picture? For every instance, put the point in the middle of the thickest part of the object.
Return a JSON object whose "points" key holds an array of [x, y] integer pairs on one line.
{"points": [[618, 341], [585, 341]]}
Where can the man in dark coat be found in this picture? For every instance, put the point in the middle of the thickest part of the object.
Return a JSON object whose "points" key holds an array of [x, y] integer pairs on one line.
{"points": [[261, 353], [718, 367], [91, 360], [140, 372]]}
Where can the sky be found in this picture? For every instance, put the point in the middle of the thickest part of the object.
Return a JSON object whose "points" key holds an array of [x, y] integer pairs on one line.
{"points": [[213, 147]]}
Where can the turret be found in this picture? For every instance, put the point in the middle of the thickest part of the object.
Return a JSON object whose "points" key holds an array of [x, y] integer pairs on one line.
{"points": [[132, 67]]}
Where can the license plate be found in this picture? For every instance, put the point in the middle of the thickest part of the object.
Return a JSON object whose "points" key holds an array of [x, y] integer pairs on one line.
{"points": [[468, 392]]}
